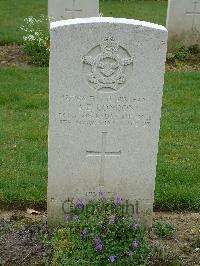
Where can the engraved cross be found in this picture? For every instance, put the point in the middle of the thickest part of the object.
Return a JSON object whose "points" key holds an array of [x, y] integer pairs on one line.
{"points": [[194, 12], [103, 154], [73, 10]]}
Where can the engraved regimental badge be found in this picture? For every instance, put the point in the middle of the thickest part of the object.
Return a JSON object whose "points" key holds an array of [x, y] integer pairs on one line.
{"points": [[107, 65]]}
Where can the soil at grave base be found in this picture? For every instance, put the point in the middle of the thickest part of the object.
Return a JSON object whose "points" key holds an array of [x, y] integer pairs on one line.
{"points": [[12, 55], [21, 244]]}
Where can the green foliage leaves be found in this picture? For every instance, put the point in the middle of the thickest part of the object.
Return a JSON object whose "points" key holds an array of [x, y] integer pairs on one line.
{"points": [[164, 230], [182, 53], [99, 233]]}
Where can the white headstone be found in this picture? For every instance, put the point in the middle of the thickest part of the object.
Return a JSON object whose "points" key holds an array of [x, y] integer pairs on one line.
{"points": [[68, 9], [183, 21], [106, 82]]}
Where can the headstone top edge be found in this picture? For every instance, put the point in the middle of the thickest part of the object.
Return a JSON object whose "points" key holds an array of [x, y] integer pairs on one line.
{"points": [[62, 23]]}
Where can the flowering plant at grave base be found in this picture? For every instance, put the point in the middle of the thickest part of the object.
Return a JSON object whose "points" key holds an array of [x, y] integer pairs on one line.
{"points": [[36, 40], [98, 232]]}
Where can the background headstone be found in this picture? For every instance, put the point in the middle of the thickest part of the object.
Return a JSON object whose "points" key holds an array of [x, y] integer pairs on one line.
{"points": [[106, 82], [183, 21], [68, 9]]}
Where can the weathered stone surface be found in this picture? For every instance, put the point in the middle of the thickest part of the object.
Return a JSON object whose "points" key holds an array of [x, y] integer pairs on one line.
{"points": [[106, 82], [68, 9], [183, 21]]}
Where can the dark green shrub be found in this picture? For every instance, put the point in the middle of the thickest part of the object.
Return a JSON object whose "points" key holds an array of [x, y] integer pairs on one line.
{"points": [[182, 53], [194, 49]]}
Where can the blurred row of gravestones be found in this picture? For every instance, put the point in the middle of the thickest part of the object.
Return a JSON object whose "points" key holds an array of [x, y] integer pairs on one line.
{"points": [[183, 17]]}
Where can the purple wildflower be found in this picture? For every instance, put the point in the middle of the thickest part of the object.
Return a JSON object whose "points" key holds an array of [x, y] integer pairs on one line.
{"points": [[98, 244], [136, 226], [112, 219], [101, 193], [112, 258], [83, 233], [135, 243], [130, 254], [79, 204], [99, 247], [75, 216], [118, 200], [67, 216], [90, 200]]}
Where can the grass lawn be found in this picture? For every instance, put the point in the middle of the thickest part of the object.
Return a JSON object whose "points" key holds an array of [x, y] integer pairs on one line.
{"points": [[178, 170], [23, 135], [23, 140], [13, 12], [149, 10]]}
